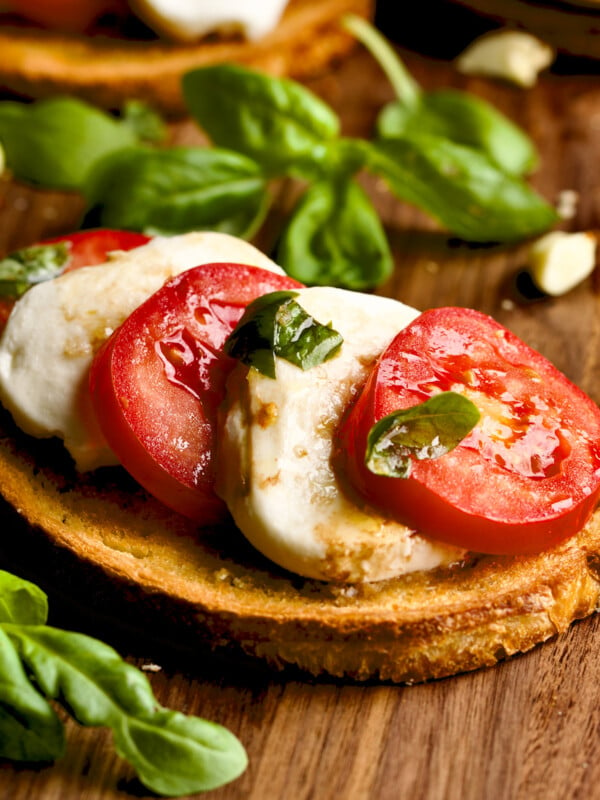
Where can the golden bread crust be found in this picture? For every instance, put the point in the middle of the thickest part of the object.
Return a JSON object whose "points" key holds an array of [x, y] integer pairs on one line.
{"points": [[37, 63], [212, 585]]}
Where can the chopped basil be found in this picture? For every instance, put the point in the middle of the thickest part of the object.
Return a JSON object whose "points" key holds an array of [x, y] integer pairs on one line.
{"points": [[276, 325], [21, 269], [425, 431]]}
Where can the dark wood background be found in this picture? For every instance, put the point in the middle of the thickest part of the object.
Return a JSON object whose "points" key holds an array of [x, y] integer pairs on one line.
{"points": [[527, 728]]}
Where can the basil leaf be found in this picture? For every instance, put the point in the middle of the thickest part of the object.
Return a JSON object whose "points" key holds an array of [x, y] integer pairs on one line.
{"points": [[464, 119], [451, 114], [427, 430], [335, 238], [23, 268], [180, 189], [461, 188], [56, 142], [172, 754], [276, 325], [275, 121], [29, 728], [21, 601]]}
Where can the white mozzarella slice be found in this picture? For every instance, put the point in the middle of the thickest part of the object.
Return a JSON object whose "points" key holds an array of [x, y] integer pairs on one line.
{"points": [[275, 446], [56, 328], [188, 20]]}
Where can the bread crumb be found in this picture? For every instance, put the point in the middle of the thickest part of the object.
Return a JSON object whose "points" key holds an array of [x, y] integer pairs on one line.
{"points": [[566, 204]]}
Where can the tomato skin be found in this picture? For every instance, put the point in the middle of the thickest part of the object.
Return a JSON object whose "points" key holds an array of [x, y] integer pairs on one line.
{"points": [[71, 16], [527, 476], [88, 248], [157, 382]]}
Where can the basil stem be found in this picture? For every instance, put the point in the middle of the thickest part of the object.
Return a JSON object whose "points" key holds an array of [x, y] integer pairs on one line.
{"points": [[173, 754], [425, 431], [276, 325], [406, 88], [23, 268]]}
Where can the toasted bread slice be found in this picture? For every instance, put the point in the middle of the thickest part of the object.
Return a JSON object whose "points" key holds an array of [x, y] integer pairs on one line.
{"points": [[107, 71], [210, 585]]}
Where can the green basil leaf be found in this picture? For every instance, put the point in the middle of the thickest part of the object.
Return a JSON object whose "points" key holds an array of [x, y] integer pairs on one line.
{"points": [[23, 268], [29, 728], [461, 188], [180, 189], [427, 430], [276, 325], [464, 119], [21, 601], [57, 142], [275, 121], [335, 238], [146, 124], [172, 754]]}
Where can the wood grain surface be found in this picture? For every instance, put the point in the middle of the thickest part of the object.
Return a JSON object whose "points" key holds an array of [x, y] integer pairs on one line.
{"points": [[527, 728]]}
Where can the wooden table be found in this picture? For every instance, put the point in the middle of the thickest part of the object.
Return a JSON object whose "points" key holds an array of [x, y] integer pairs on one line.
{"points": [[525, 729]]}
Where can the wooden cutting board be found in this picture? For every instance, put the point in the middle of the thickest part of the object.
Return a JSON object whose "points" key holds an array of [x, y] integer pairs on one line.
{"points": [[524, 729]]}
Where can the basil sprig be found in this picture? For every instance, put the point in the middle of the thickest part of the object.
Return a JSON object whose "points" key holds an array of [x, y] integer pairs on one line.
{"points": [[447, 152], [425, 431], [173, 754], [30, 265], [450, 114], [276, 325]]}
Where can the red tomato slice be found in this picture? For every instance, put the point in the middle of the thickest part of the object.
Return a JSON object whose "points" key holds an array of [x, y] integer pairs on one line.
{"points": [[86, 249], [158, 380], [90, 247], [528, 474]]}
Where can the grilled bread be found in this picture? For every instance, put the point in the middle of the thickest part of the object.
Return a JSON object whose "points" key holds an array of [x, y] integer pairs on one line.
{"points": [[211, 586], [107, 71]]}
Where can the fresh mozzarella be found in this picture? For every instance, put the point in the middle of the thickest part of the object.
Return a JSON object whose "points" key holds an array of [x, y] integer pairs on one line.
{"points": [[275, 445], [56, 328], [188, 20]]}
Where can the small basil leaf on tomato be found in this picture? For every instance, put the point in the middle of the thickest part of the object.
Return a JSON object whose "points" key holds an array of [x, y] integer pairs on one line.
{"points": [[425, 431], [30, 265], [276, 325], [335, 238]]}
